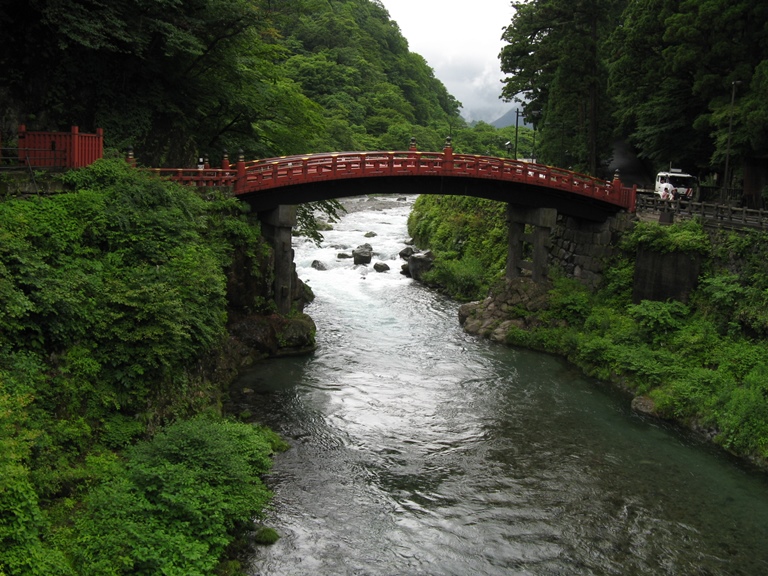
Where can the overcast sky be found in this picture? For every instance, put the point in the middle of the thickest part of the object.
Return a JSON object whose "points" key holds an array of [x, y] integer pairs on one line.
{"points": [[460, 41]]}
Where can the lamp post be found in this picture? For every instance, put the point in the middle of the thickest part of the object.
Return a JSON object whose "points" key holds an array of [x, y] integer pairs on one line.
{"points": [[726, 178], [517, 124], [535, 114]]}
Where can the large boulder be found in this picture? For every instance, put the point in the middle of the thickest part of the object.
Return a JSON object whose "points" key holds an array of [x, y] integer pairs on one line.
{"points": [[501, 310], [255, 337], [419, 264], [381, 267], [363, 254]]}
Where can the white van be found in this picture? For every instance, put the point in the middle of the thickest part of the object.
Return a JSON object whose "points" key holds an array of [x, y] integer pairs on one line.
{"points": [[675, 184]]}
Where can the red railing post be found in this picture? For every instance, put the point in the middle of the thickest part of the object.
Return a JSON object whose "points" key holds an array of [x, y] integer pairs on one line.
{"points": [[99, 144], [616, 184], [240, 183], [22, 135], [448, 155], [225, 161], [73, 154]]}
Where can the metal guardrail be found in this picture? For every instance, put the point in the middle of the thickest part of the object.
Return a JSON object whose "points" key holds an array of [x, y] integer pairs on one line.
{"points": [[711, 214]]}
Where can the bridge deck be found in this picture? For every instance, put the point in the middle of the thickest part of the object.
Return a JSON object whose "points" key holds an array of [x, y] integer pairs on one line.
{"points": [[250, 178]]}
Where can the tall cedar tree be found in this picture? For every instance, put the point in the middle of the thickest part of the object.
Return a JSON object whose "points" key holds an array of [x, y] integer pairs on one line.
{"points": [[556, 66]]}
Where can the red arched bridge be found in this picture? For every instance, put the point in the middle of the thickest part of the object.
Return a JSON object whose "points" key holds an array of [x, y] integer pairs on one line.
{"points": [[271, 182], [535, 194]]}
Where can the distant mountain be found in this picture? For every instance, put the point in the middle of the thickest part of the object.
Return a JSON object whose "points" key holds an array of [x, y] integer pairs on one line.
{"points": [[508, 120]]}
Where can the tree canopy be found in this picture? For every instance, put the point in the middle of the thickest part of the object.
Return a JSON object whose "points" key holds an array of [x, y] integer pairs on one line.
{"points": [[660, 74], [176, 80]]}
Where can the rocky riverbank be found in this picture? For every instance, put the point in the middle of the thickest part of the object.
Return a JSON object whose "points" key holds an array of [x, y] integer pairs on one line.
{"points": [[493, 317], [522, 304]]}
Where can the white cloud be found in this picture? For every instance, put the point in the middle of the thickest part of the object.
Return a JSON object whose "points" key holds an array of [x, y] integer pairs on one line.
{"points": [[460, 41]]}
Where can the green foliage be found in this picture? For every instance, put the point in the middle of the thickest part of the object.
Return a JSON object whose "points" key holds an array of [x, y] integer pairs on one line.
{"points": [[735, 293], [117, 295], [266, 535], [122, 280], [468, 237], [744, 419], [687, 236], [658, 320], [22, 523], [463, 279], [569, 300], [307, 223], [177, 502]]}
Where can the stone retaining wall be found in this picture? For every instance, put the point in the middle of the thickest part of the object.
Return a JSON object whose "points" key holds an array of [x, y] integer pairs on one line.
{"points": [[580, 248]]}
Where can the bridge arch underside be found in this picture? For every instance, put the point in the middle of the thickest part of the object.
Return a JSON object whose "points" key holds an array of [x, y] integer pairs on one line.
{"points": [[515, 193]]}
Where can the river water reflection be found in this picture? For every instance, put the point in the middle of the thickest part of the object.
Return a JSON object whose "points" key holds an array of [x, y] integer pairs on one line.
{"points": [[417, 449]]}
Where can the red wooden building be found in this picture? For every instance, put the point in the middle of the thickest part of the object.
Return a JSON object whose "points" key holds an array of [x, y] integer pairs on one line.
{"points": [[47, 150]]}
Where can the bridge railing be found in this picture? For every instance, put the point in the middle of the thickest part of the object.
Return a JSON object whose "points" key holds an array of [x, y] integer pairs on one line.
{"points": [[201, 177], [710, 213], [276, 172], [257, 175]]}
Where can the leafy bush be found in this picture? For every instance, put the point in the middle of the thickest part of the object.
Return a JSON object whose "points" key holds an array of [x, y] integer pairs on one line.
{"points": [[468, 237], [22, 524], [115, 293], [744, 418], [686, 236], [463, 279], [178, 501], [618, 281], [605, 320], [569, 300], [658, 320]]}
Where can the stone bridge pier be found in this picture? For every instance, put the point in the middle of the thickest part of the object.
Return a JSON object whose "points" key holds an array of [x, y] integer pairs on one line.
{"points": [[541, 239], [529, 250], [538, 238], [276, 227]]}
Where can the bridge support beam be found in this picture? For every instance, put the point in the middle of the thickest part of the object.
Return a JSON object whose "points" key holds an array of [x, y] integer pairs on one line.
{"points": [[276, 226], [542, 220]]}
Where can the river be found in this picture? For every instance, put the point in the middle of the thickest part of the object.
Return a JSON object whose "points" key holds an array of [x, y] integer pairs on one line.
{"points": [[420, 450]]}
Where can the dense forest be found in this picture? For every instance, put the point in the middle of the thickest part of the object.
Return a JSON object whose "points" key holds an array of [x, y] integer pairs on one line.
{"points": [[114, 300], [179, 79], [683, 81]]}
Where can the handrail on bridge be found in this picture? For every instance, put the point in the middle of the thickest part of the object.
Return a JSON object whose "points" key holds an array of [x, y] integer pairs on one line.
{"points": [[257, 175]]}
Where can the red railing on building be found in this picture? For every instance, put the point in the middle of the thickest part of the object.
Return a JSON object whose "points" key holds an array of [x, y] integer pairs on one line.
{"points": [[59, 149]]}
